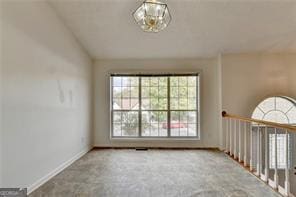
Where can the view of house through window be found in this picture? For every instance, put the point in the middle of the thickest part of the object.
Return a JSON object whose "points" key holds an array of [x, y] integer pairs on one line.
{"points": [[154, 105]]}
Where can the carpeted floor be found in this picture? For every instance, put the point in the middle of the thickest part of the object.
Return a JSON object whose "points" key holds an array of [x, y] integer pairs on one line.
{"points": [[130, 173]]}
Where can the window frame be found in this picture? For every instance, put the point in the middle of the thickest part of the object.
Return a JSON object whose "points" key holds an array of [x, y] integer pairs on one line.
{"points": [[168, 110], [271, 163]]}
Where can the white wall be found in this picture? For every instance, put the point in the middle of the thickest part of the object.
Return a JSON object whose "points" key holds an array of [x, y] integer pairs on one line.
{"points": [[46, 93], [1, 137], [249, 78], [209, 99]]}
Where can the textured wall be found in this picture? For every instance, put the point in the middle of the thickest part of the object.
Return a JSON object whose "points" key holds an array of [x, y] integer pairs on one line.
{"points": [[247, 79], [46, 93]]}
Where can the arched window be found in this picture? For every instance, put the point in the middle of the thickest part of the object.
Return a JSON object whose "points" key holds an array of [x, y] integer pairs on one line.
{"points": [[277, 109], [282, 110]]}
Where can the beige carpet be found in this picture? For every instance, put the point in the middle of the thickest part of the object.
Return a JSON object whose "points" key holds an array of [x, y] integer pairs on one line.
{"points": [[130, 173]]}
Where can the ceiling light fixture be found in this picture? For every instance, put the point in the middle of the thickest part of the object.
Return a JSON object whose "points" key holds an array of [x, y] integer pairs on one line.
{"points": [[152, 16]]}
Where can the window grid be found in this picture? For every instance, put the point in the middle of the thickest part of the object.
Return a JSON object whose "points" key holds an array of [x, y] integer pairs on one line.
{"points": [[281, 151], [163, 126]]}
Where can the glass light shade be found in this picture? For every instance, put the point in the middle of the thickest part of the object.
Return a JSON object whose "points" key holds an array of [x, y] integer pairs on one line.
{"points": [[152, 16]]}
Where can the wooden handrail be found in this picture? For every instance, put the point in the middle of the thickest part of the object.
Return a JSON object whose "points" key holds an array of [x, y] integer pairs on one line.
{"points": [[267, 123]]}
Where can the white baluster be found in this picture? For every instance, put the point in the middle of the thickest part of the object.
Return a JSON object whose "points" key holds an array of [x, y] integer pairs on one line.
{"points": [[287, 181], [230, 137], [245, 145], [234, 146], [258, 151], [266, 154], [226, 134], [251, 147], [276, 177], [239, 142]]}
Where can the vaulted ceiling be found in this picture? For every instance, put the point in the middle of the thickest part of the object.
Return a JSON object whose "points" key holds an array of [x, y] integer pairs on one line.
{"points": [[199, 28]]}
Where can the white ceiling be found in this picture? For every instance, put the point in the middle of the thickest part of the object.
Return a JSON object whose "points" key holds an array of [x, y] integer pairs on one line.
{"points": [[199, 28]]}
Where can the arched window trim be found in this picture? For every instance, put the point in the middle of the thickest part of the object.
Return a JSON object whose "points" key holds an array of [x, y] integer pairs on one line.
{"points": [[291, 100]]}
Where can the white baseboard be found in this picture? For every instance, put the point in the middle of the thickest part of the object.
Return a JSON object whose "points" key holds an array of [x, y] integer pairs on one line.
{"points": [[57, 170]]}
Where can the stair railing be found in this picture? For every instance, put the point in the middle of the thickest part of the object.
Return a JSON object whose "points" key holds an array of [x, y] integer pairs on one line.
{"points": [[249, 141]]}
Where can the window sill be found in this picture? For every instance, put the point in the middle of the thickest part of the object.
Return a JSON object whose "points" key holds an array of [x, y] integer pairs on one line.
{"points": [[155, 139]]}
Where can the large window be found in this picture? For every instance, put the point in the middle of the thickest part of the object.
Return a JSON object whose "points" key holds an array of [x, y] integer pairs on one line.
{"points": [[154, 105]]}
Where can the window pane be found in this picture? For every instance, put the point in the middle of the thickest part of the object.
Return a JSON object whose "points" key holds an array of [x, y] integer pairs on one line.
{"points": [[281, 151], [174, 104], [145, 92], [154, 123], [191, 81], [175, 124], [154, 81], [145, 129], [183, 116], [184, 130], [183, 93], [192, 92], [174, 81], [153, 92], [117, 129], [126, 104], [162, 93], [162, 104], [145, 81], [154, 97], [183, 123], [126, 92], [117, 92], [134, 81], [130, 81], [162, 81], [192, 103], [135, 92], [116, 103], [192, 117], [174, 92], [182, 81], [192, 130], [134, 104], [130, 123], [117, 117], [145, 104], [183, 103], [117, 81]]}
